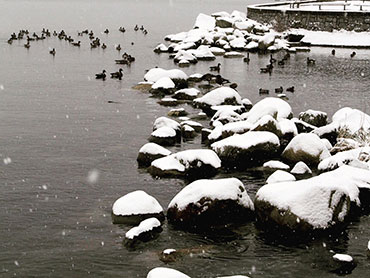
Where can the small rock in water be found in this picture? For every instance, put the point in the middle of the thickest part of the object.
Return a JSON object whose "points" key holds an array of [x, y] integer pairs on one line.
{"points": [[343, 264]]}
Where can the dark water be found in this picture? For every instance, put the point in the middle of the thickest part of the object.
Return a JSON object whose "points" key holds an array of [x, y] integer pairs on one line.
{"points": [[56, 126]]}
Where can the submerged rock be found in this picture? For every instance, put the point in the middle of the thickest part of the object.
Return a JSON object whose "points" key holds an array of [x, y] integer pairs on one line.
{"points": [[205, 204], [134, 207]]}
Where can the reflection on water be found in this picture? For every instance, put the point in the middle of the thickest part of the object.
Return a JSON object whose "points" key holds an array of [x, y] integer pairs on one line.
{"points": [[57, 129]]}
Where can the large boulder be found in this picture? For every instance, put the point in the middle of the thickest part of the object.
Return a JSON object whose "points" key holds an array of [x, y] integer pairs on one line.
{"points": [[197, 163], [313, 117], [176, 75], [210, 203], [351, 120], [205, 22], [134, 207], [280, 176], [252, 148], [167, 122], [219, 96], [164, 86], [164, 136], [320, 203], [150, 152], [306, 147]]}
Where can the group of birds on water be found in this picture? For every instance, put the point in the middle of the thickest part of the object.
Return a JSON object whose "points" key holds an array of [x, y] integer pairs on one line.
{"points": [[95, 42]]}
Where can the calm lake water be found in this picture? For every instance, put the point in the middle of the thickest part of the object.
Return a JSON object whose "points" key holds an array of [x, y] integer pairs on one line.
{"points": [[57, 126]]}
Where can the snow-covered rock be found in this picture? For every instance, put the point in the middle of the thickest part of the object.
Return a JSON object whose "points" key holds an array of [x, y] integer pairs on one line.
{"points": [[306, 147], [168, 101], [148, 229], [154, 74], [187, 132], [164, 85], [302, 126], [195, 125], [185, 55], [313, 117], [203, 52], [164, 121], [150, 152], [189, 163], [314, 204], [217, 51], [186, 94], [275, 164], [219, 96], [164, 136], [267, 123], [161, 48], [134, 207], [205, 22], [329, 132], [275, 107], [233, 54], [351, 120], [165, 272], [210, 203], [245, 25], [301, 168], [342, 264], [280, 176], [266, 41], [252, 148], [224, 22]]}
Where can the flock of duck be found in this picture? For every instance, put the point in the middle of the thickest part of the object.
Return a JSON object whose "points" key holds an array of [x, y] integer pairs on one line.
{"points": [[95, 42]]}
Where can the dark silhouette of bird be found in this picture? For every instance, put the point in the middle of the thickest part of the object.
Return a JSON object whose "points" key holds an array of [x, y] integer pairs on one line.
{"points": [[220, 80], [279, 90], [290, 89], [118, 47], [333, 52], [101, 75], [263, 91], [136, 28], [52, 52], [103, 46], [77, 43], [353, 54], [215, 68], [272, 59], [310, 61], [27, 45], [117, 74], [247, 59], [106, 31]]}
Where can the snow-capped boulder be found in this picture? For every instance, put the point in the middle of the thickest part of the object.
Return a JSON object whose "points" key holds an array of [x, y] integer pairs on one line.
{"points": [[266, 41], [184, 63], [313, 117], [195, 125], [209, 203], [238, 44], [168, 101], [244, 25], [224, 22], [165, 272], [205, 22], [319, 203], [252, 148], [275, 107], [134, 207], [185, 55], [350, 157], [188, 132], [154, 74], [351, 120], [219, 96], [288, 130], [196, 77], [267, 123], [301, 168], [225, 116], [329, 132], [150, 152], [306, 147], [164, 121], [160, 48], [275, 164], [280, 176], [203, 52], [163, 86], [204, 134], [342, 264], [217, 51], [164, 136], [247, 103], [186, 94], [197, 163], [147, 230], [252, 46], [302, 126]]}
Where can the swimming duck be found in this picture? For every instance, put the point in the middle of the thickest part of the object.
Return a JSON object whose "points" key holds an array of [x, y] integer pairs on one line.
{"points": [[279, 90], [310, 61], [27, 45], [101, 75], [215, 68], [103, 46], [106, 31], [290, 89], [118, 47], [10, 41], [247, 59], [272, 60], [136, 28], [263, 91], [52, 52], [77, 43], [333, 52], [220, 80], [142, 28], [122, 29], [117, 74], [353, 54], [145, 32]]}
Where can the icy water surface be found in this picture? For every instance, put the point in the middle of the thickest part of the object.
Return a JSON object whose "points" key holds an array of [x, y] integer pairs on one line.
{"points": [[57, 129]]}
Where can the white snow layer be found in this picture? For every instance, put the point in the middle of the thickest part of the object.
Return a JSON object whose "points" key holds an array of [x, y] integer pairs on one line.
{"points": [[246, 140], [165, 272], [308, 199], [220, 189], [270, 106], [164, 121], [280, 176], [218, 96], [343, 258], [342, 158], [154, 74], [163, 83], [163, 132], [204, 21], [181, 161], [144, 226], [153, 148], [301, 168], [275, 164], [352, 119], [136, 202]]}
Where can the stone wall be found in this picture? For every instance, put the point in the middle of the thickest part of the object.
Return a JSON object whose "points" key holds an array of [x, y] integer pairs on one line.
{"points": [[311, 20]]}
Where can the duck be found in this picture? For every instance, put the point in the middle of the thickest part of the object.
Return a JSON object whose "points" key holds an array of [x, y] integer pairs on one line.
{"points": [[272, 60], [279, 90], [247, 59], [30, 39], [103, 46], [142, 28], [233, 86], [290, 89], [122, 29], [122, 62], [101, 75], [215, 68], [208, 77], [136, 28], [220, 80], [145, 32], [353, 54], [263, 91], [333, 52], [118, 47], [117, 74], [77, 43], [52, 52], [10, 41], [310, 61], [106, 31], [27, 45]]}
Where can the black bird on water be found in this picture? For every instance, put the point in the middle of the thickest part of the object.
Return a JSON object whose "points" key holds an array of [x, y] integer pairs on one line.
{"points": [[101, 75], [117, 74], [353, 54], [215, 68], [333, 52]]}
